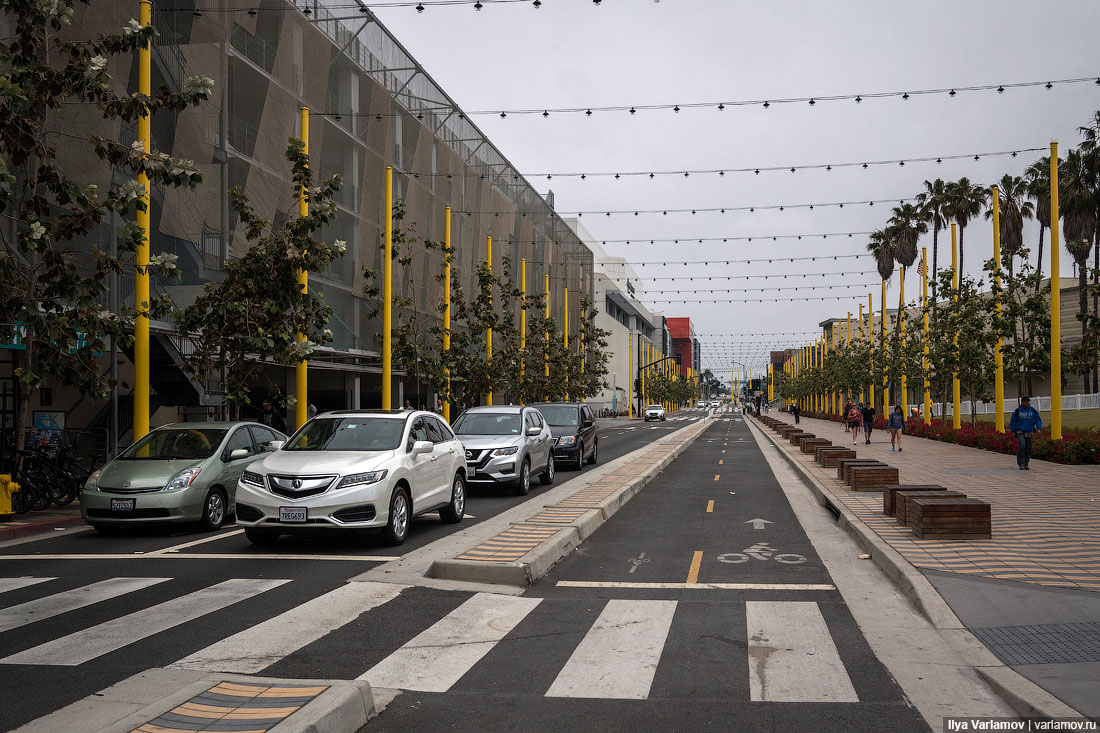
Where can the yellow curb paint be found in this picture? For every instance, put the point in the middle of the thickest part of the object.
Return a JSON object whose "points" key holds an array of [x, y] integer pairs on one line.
{"points": [[716, 476], [720, 461], [710, 506], [693, 571]]}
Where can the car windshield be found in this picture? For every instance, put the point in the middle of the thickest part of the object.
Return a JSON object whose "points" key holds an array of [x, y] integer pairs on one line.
{"points": [[654, 407], [487, 423], [171, 443], [560, 415], [355, 433]]}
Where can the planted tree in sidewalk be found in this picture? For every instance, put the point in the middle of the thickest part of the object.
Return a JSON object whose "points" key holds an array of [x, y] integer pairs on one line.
{"points": [[53, 278], [1024, 322], [259, 312]]}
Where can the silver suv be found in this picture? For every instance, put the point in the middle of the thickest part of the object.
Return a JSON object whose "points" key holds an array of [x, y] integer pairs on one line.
{"points": [[505, 445]]}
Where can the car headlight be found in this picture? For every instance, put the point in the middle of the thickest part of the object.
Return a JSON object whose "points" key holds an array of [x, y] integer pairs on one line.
{"points": [[505, 451], [249, 477], [92, 484], [567, 440], [182, 480], [360, 479]]}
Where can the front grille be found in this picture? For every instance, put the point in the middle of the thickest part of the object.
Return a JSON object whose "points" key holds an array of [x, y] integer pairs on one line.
{"points": [[153, 513], [363, 513], [249, 513], [473, 455], [299, 487], [131, 489]]}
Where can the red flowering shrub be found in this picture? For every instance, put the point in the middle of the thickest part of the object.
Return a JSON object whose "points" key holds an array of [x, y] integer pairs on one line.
{"points": [[1076, 446]]}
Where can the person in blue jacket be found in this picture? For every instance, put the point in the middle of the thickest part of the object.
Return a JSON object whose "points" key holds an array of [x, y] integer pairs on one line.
{"points": [[896, 425], [1025, 422]]}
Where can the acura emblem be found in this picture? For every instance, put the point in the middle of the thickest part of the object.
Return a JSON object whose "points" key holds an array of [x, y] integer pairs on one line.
{"points": [[297, 483]]}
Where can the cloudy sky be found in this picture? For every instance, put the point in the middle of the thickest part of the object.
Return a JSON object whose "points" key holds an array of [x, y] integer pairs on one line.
{"points": [[572, 53]]}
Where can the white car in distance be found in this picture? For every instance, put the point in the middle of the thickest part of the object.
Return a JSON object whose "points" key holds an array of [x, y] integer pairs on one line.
{"points": [[655, 412], [355, 471]]}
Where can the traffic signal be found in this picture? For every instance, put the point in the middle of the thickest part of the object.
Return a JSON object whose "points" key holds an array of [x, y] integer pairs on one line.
{"points": [[637, 386]]}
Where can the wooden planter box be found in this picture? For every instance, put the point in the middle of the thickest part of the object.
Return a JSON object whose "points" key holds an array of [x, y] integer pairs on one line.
{"points": [[950, 518], [807, 445], [843, 464], [831, 457], [795, 437], [890, 492], [871, 478], [903, 501]]}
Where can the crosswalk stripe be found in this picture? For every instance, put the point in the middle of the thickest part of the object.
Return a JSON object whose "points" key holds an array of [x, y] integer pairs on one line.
{"points": [[70, 600], [82, 646], [792, 657], [262, 645], [7, 584], [618, 656], [440, 655]]}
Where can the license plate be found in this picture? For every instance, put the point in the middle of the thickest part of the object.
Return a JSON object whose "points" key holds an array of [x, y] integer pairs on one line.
{"points": [[122, 505], [292, 514], [471, 471]]}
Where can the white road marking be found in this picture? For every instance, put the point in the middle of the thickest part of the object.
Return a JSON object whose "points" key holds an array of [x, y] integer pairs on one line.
{"points": [[70, 600], [260, 646], [440, 655], [202, 556], [85, 645], [204, 540], [694, 586], [792, 657], [618, 656], [7, 584]]}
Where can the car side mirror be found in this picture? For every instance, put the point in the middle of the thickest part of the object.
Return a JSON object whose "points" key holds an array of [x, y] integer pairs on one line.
{"points": [[587, 424], [533, 431], [239, 454], [275, 445], [422, 446]]}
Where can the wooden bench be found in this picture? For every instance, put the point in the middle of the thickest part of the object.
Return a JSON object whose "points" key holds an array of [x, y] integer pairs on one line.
{"points": [[950, 518], [890, 491], [871, 478], [902, 503], [829, 457], [807, 445], [842, 465]]}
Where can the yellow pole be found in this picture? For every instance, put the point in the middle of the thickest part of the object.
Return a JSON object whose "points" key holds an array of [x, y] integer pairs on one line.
{"points": [[848, 333], [904, 398], [1055, 304], [447, 309], [861, 393], [546, 336], [925, 370], [489, 331], [645, 360], [956, 397], [387, 297], [771, 387], [582, 346], [565, 333], [885, 363], [630, 377], [141, 260], [825, 355], [301, 372], [871, 342], [998, 355], [522, 322]]}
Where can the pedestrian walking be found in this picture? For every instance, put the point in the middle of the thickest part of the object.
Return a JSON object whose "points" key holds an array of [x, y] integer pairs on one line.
{"points": [[868, 413], [1025, 422], [796, 411], [844, 414], [896, 426], [270, 417], [854, 418]]}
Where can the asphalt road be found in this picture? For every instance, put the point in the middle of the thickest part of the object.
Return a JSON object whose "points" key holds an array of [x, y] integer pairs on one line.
{"points": [[80, 611]]}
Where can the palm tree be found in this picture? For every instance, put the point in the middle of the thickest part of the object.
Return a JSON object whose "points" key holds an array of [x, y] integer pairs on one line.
{"points": [[1090, 146], [1078, 199], [906, 225], [1038, 187], [1015, 208], [965, 201], [881, 245], [933, 200]]}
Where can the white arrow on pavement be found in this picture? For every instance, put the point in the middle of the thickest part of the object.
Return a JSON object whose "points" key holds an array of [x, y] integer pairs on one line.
{"points": [[758, 523]]}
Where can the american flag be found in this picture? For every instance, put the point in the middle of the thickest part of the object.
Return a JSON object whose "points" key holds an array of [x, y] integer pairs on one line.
{"points": [[921, 269]]}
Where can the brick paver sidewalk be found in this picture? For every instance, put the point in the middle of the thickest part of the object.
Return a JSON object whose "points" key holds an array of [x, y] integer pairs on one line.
{"points": [[1046, 521]]}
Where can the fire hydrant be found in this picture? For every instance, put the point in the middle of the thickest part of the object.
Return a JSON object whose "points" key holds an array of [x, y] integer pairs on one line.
{"points": [[7, 488]]}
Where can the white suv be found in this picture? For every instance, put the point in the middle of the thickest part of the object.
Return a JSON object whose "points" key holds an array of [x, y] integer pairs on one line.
{"points": [[355, 470], [654, 412]]}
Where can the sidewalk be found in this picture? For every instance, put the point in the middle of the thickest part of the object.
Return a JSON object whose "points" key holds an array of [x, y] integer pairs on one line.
{"points": [[24, 525], [1031, 593]]}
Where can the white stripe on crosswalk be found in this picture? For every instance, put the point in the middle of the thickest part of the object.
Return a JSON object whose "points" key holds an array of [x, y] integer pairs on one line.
{"points": [[262, 645], [7, 584], [104, 638], [792, 657], [618, 656], [70, 600], [440, 655]]}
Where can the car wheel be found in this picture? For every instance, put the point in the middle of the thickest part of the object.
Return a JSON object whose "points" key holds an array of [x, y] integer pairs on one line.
{"points": [[547, 476], [580, 458], [452, 513], [397, 528], [523, 484], [261, 537], [592, 458], [213, 510]]}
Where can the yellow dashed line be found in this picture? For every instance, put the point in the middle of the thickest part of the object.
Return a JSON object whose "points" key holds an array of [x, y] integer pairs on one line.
{"points": [[720, 461], [716, 476], [710, 506], [693, 571]]}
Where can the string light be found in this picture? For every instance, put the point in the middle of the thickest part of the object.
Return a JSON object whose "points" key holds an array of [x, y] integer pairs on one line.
{"points": [[723, 209], [753, 290], [758, 237]]}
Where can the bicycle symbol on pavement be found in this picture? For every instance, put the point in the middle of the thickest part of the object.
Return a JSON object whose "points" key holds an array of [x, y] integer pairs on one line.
{"points": [[761, 551]]}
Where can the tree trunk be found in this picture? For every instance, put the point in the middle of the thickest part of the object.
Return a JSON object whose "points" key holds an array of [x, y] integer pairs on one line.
{"points": [[1095, 300], [973, 412], [935, 264], [1039, 260], [1083, 309]]}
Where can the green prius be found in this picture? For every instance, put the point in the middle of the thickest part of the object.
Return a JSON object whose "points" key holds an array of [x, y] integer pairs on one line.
{"points": [[184, 472]]}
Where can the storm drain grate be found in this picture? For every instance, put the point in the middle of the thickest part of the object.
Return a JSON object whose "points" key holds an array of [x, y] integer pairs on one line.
{"points": [[1043, 643]]}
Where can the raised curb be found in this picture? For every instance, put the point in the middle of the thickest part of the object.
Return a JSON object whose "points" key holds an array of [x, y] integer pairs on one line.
{"points": [[24, 530], [1022, 695], [136, 700], [538, 561]]}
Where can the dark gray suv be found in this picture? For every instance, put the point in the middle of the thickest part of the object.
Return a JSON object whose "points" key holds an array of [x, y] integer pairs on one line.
{"points": [[574, 427]]}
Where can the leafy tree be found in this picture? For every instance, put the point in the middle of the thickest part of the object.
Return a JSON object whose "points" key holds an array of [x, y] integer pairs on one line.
{"points": [[53, 283], [257, 312], [1024, 321], [1037, 177]]}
